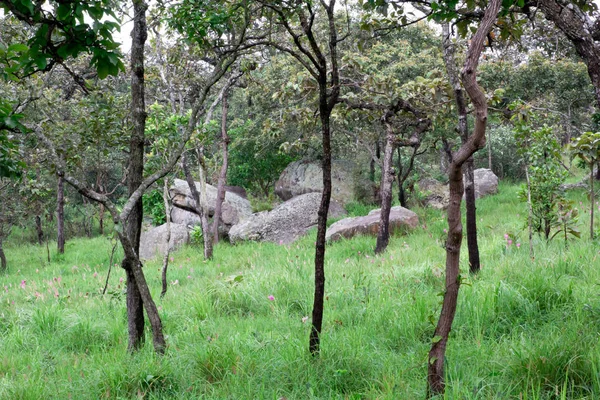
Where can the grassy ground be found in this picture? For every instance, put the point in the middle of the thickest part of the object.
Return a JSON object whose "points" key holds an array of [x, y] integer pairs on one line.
{"points": [[524, 329]]}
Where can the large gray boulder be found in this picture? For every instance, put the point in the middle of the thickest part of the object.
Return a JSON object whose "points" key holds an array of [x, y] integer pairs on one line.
{"points": [[302, 177], [234, 209], [437, 194], [486, 182], [153, 242], [286, 222], [400, 219]]}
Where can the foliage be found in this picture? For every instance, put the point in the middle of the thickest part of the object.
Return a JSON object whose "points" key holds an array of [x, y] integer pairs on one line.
{"points": [[63, 30], [542, 154], [10, 163], [154, 206]]}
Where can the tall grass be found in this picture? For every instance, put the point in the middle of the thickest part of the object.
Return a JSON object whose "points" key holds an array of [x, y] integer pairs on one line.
{"points": [[525, 329]]}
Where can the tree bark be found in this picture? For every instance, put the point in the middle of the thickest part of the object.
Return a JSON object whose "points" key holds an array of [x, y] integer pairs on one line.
{"points": [[168, 238], [60, 214], [387, 180], [133, 226], [463, 130], [581, 31], [436, 358], [198, 206], [223, 174], [39, 230], [3, 264]]}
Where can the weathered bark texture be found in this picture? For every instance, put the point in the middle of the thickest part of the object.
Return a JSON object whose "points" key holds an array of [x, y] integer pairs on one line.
{"points": [[60, 214], [198, 205], [463, 130], [168, 238], [436, 358], [385, 191], [223, 174]]}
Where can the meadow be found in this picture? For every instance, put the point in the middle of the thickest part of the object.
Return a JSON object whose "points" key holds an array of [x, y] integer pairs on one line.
{"points": [[237, 326]]}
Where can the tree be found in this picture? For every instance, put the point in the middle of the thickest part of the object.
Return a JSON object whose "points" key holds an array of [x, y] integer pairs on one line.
{"points": [[587, 148], [436, 358]]}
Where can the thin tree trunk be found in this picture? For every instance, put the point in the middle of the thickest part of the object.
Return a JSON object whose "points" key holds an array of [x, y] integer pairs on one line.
{"points": [[101, 219], [372, 163], [198, 205], [463, 130], [529, 212], [168, 238], [223, 174], [135, 310], [401, 192], [39, 230], [387, 180], [598, 170], [60, 214], [437, 354], [592, 201], [490, 149], [3, 264]]}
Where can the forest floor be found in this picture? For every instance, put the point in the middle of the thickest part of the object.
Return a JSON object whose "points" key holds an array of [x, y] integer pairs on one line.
{"points": [[525, 328]]}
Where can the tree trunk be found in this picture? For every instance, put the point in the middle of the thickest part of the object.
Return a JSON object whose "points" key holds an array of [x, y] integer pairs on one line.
{"points": [[200, 211], [39, 230], [135, 311], [463, 130], [387, 180], [372, 163], [436, 358], [592, 201], [223, 174], [101, 219], [3, 264], [529, 211], [60, 214], [168, 238], [317, 312], [598, 170]]}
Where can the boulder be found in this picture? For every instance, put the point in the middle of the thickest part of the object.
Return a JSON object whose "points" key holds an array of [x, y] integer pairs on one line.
{"points": [[438, 196], [301, 177], [400, 218], [486, 182], [286, 222], [436, 193], [153, 242], [234, 208]]}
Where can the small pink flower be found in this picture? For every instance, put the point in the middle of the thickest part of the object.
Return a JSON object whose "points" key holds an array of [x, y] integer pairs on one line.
{"points": [[271, 297], [189, 277], [304, 319], [506, 236], [518, 245], [509, 242], [120, 280], [23, 284], [347, 260], [281, 242], [445, 230], [95, 274]]}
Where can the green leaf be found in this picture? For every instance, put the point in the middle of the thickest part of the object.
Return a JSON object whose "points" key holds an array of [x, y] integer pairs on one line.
{"points": [[103, 69], [436, 339], [63, 12], [17, 48]]}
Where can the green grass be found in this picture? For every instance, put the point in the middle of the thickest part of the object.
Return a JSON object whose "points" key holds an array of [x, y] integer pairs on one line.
{"points": [[524, 329]]}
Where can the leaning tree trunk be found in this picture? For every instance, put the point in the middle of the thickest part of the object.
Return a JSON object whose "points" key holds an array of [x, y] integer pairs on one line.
{"points": [[387, 180], [436, 358], [135, 310], [223, 174], [463, 130], [60, 214]]}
